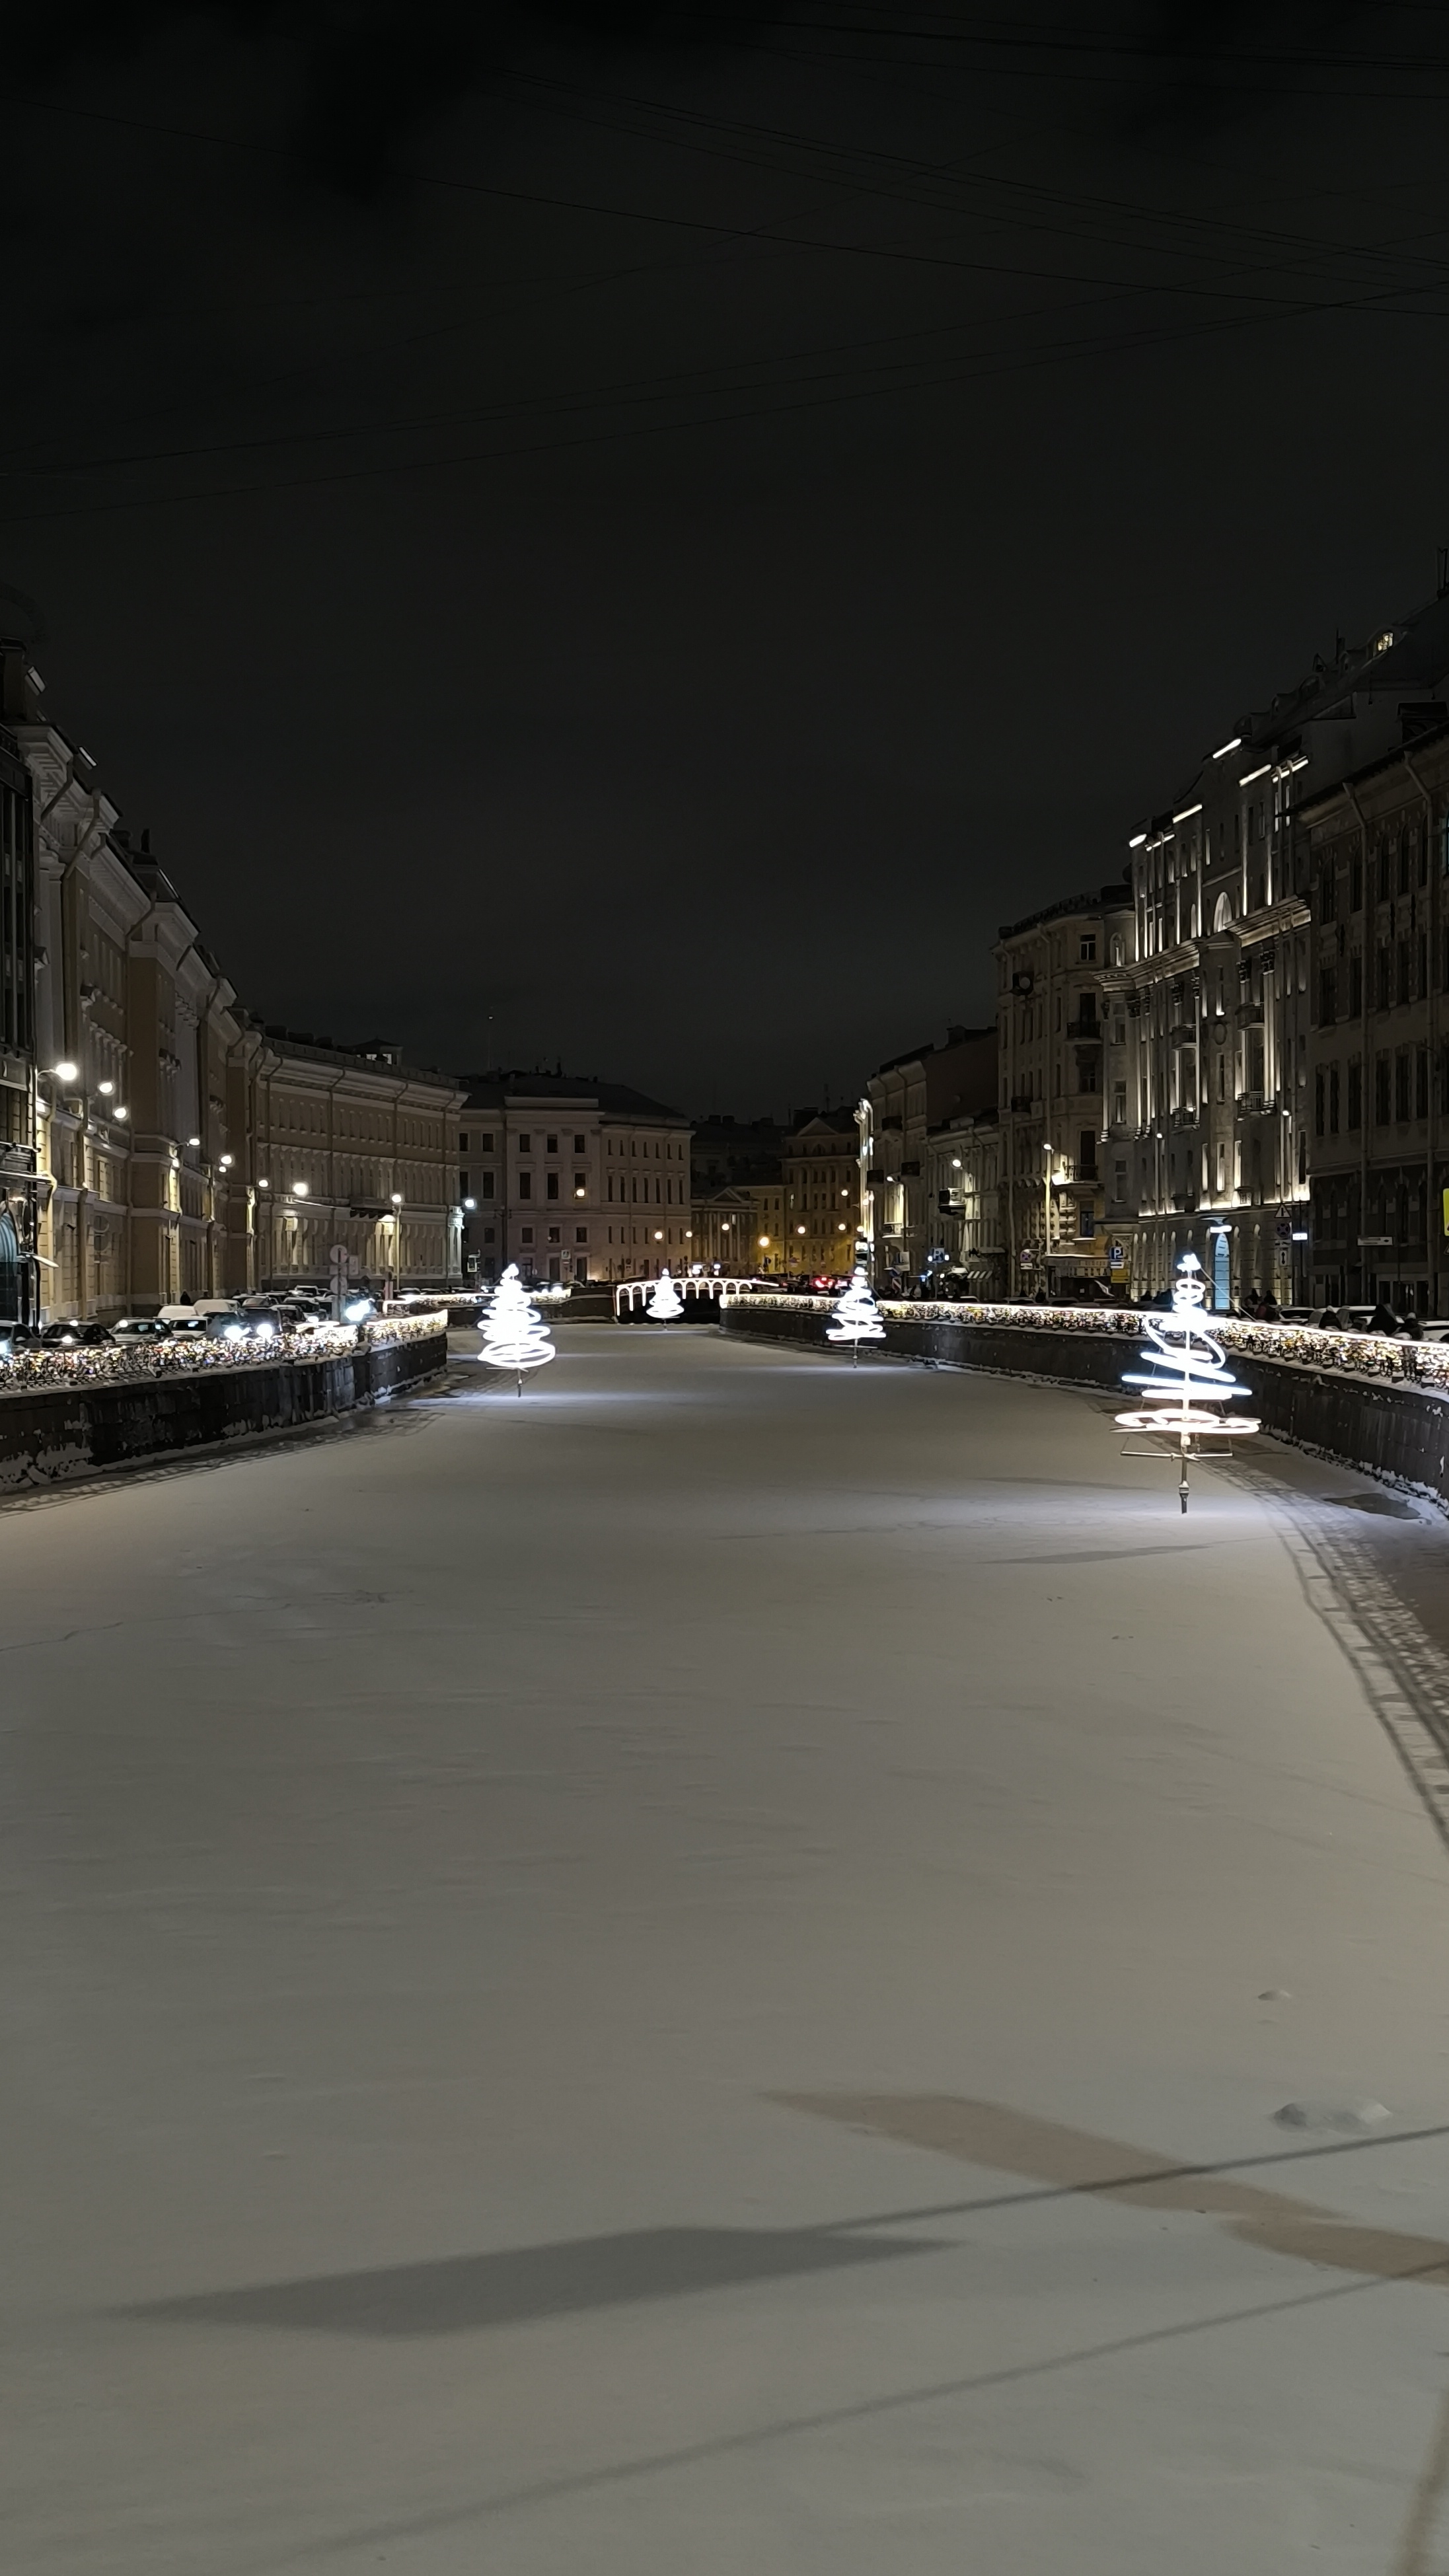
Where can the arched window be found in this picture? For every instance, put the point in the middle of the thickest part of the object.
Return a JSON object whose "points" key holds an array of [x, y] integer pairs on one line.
{"points": [[1223, 912]]}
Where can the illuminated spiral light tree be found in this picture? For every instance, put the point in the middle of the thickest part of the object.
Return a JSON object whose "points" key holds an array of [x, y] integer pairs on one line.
{"points": [[855, 1317], [1185, 1377], [664, 1305], [513, 1337]]}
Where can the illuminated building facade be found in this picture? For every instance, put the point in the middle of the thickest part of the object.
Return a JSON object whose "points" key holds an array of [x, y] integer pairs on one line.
{"points": [[821, 1174], [1061, 1050], [1378, 849], [573, 1179], [903, 1101]]}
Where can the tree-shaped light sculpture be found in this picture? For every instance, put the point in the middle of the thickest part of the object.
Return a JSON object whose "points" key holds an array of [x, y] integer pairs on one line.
{"points": [[855, 1317], [1185, 1377], [513, 1337], [664, 1305]]}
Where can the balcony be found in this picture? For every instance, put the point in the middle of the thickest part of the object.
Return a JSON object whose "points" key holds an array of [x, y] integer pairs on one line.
{"points": [[1182, 1033], [1086, 1031], [1256, 1104], [1187, 1117], [1021, 1101], [910, 1171], [1249, 1015]]}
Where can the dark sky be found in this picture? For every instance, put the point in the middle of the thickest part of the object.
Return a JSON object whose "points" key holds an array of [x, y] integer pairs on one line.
{"points": [[643, 534]]}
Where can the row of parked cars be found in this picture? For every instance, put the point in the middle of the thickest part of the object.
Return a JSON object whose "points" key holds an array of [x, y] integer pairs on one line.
{"points": [[216, 1319]]}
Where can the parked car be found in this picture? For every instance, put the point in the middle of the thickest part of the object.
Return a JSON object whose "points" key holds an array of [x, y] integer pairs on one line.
{"points": [[73, 1333], [138, 1328]]}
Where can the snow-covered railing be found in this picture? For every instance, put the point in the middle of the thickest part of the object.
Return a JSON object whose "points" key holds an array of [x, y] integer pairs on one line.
{"points": [[116, 1363], [722, 1290], [1380, 1355]]}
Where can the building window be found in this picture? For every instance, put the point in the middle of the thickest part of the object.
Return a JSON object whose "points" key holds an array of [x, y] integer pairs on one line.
{"points": [[555, 1234], [1355, 883], [1355, 1095], [1403, 1080], [528, 1234], [1087, 948], [464, 1185], [1355, 985], [1319, 1102], [1327, 996], [1383, 976], [462, 1144], [551, 1185], [581, 1234], [525, 1144], [1382, 1089], [1333, 1100], [550, 1144], [1421, 1082], [485, 1185], [525, 1185], [579, 1144]]}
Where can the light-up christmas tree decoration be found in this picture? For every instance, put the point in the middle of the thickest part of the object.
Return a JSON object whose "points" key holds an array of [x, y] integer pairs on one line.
{"points": [[1185, 1377], [665, 1305], [855, 1317], [513, 1337]]}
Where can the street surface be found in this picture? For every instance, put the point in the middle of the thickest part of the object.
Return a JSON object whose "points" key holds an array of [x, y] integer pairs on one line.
{"points": [[621, 1983]]}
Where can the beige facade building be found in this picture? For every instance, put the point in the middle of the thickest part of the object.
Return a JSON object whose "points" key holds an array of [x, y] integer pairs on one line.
{"points": [[963, 1177], [903, 1102], [821, 1178], [350, 1147], [158, 1143], [724, 1229], [1056, 1050], [574, 1180], [1377, 846]]}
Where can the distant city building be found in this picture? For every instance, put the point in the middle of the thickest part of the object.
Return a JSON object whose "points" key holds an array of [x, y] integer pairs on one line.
{"points": [[903, 1102], [1216, 1123], [727, 1151], [963, 1182], [573, 1179], [349, 1147], [821, 1176], [725, 1226], [1377, 848], [20, 1297], [1053, 1038]]}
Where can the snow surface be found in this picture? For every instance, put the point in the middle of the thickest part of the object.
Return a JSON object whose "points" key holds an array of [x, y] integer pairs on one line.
{"points": [[512, 1907]]}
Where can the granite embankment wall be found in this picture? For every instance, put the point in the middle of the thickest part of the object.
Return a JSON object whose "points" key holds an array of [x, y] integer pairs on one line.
{"points": [[51, 1433], [1391, 1427]]}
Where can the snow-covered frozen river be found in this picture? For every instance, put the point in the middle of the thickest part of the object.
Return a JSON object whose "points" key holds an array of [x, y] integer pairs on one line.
{"points": [[622, 1983]]}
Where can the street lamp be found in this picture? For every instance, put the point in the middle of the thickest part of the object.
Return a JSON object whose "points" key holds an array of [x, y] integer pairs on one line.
{"points": [[65, 1071], [397, 1200]]}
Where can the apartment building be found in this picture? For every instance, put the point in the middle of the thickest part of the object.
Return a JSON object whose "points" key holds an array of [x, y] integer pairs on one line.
{"points": [[350, 1147], [573, 1179], [1377, 847], [821, 1177], [1219, 1001], [1058, 1049], [963, 1180], [903, 1101]]}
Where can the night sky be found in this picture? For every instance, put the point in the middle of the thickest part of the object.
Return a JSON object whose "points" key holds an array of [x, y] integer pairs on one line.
{"points": [[643, 535]]}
